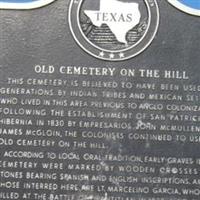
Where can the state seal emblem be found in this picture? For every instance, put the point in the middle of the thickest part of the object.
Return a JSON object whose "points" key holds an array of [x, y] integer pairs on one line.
{"points": [[113, 30]]}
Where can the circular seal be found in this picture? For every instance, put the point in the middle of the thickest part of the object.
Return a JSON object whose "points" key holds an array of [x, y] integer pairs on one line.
{"points": [[114, 30]]}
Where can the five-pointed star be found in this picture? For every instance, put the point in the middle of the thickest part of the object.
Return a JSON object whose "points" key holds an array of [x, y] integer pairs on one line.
{"points": [[101, 54], [112, 55], [121, 55]]}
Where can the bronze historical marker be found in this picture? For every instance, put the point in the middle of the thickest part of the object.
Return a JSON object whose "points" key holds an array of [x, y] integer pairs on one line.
{"points": [[99, 100]]}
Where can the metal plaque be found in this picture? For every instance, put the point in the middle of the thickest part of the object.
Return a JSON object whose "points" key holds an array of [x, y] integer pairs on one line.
{"points": [[99, 100]]}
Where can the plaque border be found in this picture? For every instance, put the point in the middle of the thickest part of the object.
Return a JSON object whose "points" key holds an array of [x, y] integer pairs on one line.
{"points": [[25, 6], [184, 8]]}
